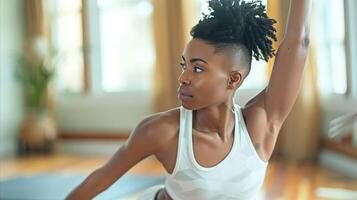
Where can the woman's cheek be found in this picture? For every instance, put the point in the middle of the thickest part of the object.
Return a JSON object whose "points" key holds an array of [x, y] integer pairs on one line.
{"points": [[216, 92]]}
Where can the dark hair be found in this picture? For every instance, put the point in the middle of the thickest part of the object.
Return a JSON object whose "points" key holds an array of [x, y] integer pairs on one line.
{"points": [[236, 23]]}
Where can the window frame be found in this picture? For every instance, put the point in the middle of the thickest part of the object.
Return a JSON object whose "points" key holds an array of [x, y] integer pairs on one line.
{"points": [[351, 38]]}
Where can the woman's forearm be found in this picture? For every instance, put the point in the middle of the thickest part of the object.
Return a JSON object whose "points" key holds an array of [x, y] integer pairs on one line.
{"points": [[298, 25], [89, 188]]}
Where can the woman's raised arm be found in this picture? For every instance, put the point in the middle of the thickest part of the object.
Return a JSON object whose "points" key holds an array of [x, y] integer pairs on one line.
{"points": [[284, 84]]}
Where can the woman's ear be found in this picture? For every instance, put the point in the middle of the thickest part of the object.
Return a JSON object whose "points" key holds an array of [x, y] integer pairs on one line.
{"points": [[235, 79]]}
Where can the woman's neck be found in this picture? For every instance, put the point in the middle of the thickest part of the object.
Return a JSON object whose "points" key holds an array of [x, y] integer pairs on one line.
{"points": [[218, 119]]}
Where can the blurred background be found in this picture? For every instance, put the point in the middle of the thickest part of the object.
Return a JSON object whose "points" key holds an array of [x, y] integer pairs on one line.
{"points": [[76, 76]]}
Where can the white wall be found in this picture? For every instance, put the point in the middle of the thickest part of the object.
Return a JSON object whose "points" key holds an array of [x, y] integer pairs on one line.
{"points": [[109, 113], [11, 109], [112, 113]]}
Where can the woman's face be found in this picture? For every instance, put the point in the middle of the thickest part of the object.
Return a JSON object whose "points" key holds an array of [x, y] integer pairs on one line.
{"points": [[205, 76]]}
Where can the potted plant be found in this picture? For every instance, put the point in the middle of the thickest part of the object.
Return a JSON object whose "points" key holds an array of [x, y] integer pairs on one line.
{"points": [[35, 70]]}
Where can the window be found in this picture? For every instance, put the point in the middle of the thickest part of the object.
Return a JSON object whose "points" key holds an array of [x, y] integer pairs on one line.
{"points": [[66, 23], [120, 36], [330, 45], [127, 44], [121, 56]]}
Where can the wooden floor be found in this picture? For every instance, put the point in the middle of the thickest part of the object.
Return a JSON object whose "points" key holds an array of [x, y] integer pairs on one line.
{"points": [[284, 180]]}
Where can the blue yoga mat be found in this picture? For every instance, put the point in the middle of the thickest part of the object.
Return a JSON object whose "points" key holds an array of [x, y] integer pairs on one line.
{"points": [[56, 186]]}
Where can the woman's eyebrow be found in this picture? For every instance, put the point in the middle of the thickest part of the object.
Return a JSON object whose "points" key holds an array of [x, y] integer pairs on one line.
{"points": [[194, 60], [197, 59]]}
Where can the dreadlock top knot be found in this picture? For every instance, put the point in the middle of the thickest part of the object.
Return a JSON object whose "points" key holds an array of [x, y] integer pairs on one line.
{"points": [[238, 22]]}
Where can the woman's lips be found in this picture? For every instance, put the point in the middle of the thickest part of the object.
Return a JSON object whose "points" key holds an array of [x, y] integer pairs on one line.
{"points": [[185, 96]]}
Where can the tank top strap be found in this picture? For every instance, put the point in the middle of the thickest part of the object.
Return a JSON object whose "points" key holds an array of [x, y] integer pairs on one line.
{"points": [[185, 122], [182, 145], [240, 136]]}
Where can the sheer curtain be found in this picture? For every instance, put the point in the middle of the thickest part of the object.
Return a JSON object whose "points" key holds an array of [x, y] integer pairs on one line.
{"points": [[34, 18], [171, 25]]}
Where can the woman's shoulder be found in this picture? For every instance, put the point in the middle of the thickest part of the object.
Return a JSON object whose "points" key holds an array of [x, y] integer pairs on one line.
{"points": [[165, 119], [161, 126]]}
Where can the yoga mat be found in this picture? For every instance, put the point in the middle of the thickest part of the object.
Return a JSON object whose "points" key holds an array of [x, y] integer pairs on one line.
{"points": [[51, 186]]}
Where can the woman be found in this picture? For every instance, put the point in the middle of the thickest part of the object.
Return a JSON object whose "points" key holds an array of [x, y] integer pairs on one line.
{"points": [[210, 147]]}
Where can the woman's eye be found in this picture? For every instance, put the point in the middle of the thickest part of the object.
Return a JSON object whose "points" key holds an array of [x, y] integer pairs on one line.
{"points": [[197, 68]]}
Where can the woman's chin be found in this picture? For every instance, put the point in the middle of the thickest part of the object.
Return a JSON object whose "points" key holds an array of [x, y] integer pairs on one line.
{"points": [[187, 106]]}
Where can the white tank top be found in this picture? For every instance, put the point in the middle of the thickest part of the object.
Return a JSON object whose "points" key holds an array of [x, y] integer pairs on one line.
{"points": [[240, 175]]}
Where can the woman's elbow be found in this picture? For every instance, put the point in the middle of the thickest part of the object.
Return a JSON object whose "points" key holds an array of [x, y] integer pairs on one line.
{"points": [[305, 41]]}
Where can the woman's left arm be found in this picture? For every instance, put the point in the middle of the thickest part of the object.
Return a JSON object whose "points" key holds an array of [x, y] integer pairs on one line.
{"points": [[284, 84]]}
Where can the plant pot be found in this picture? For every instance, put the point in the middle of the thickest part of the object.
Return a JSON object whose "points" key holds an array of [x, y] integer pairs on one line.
{"points": [[38, 133]]}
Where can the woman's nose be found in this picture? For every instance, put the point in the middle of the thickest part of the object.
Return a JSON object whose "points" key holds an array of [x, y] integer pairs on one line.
{"points": [[183, 78]]}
